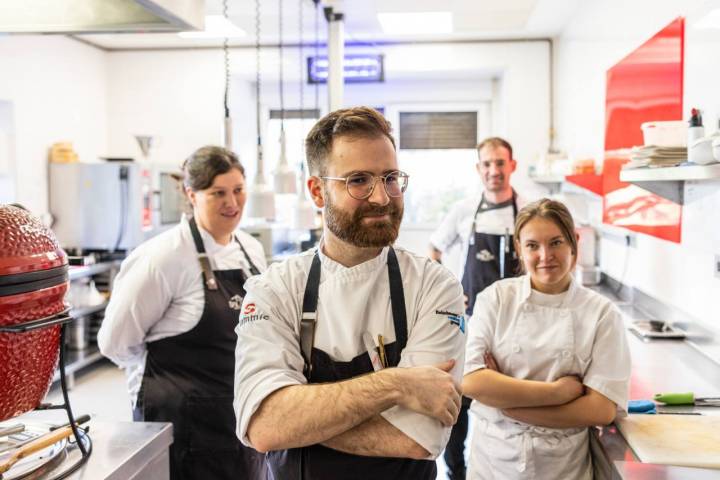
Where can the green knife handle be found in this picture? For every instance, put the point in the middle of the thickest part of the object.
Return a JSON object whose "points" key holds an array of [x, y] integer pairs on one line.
{"points": [[675, 398]]}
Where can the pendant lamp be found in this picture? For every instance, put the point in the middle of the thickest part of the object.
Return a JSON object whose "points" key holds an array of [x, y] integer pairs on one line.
{"points": [[284, 175], [261, 200], [304, 215]]}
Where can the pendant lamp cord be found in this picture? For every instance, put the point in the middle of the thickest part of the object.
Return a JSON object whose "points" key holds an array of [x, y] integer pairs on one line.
{"points": [[280, 66], [226, 53], [257, 87]]}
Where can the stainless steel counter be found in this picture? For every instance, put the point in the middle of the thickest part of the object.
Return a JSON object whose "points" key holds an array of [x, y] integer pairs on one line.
{"points": [[120, 450], [658, 366], [127, 450]]}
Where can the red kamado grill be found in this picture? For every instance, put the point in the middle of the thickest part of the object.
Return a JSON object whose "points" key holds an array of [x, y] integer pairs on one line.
{"points": [[33, 282]]}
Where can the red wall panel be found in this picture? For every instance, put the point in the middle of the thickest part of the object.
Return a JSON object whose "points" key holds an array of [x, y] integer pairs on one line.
{"points": [[646, 85]]}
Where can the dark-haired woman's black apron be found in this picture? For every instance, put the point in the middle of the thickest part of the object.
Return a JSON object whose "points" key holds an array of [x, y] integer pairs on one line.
{"points": [[317, 462], [188, 381]]}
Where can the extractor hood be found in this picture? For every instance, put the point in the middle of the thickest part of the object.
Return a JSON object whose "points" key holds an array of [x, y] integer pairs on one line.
{"points": [[101, 16]]}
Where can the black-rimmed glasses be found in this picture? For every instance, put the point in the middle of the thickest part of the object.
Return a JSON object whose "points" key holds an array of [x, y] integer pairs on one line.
{"points": [[360, 185]]}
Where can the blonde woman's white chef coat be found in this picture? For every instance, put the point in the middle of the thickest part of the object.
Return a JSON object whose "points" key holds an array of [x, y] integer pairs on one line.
{"points": [[158, 293], [351, 302], [542, 337]]}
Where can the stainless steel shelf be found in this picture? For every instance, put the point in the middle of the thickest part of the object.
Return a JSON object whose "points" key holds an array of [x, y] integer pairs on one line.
{"points": [[89, 310], [87, 271], [686, 172], [77, 359], [547, 179]]}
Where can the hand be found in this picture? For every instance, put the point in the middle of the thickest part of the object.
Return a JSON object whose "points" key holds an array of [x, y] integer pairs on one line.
{"points": [[430, 391], [490, 362], [568, 389]]}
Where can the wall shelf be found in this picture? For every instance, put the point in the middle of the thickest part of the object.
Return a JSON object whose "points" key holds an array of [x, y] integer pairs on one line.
{"points": [[669, 182], [681, 173], [547, 179]]}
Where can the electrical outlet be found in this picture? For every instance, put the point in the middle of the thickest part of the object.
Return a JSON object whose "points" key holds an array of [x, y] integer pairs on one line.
{"points": [[717, 266]]}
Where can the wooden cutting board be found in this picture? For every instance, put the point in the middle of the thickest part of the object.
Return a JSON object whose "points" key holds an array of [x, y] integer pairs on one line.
{"points": [[685, 440]]}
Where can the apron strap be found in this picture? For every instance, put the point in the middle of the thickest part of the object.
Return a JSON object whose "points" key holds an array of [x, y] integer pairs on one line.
{"points": [[202, 256], [397, 300], [253, 269], [309, 314], [308, 321]]}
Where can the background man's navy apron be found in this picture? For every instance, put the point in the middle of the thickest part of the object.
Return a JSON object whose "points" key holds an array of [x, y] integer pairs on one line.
{"points": [[485, 253], [188, 381], [317, 462]]}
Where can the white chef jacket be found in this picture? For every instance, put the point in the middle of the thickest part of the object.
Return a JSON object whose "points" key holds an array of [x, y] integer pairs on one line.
{"points": [[542, 337], [454, 231], [159, 293], [351, 301]]}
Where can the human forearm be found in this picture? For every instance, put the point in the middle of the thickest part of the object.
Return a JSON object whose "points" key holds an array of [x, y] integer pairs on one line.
{"points": [[376, 437], [302, 415], [588, 410], [501, 391]]}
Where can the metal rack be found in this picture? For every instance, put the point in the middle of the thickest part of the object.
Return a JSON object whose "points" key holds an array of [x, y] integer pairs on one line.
{"points": [[83, 441]]}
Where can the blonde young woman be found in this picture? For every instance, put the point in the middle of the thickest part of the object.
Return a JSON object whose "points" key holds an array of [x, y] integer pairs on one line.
{"points": [[546, 359]]}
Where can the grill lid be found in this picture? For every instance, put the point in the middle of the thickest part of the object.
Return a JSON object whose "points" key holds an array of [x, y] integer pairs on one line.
{"points": [[29, 251]]}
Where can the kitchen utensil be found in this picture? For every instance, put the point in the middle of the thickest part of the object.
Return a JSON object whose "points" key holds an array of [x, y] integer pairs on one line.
{"points": [[687, 398], [11, 429], [37, 444]]}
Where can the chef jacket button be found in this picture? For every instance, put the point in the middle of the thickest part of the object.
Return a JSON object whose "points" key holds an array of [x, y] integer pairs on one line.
{"points": [[565, 353], [516, 348]]}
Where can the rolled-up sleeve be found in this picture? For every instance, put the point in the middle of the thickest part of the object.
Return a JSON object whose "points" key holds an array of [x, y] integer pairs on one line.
{"points": [[481, 329], [267, 355], [609, 370], [437, 335]]}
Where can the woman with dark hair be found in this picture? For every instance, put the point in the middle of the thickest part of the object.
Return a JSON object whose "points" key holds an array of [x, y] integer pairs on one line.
{"points": [[546, 358], [171, 319]]}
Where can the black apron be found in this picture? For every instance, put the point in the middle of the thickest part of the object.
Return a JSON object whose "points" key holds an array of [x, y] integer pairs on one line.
{"points": [[489, 257], [317, 462], [188, 381]]}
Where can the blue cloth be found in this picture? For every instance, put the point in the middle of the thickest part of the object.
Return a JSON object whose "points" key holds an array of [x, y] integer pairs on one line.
{"points": [[641, 406]]}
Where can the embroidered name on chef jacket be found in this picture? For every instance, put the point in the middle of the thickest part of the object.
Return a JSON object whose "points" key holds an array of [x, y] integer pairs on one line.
{"points": [[456, 319], [251, 315]]}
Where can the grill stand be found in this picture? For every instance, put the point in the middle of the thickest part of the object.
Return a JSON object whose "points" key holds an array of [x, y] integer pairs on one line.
{"points": [[83, 441]]}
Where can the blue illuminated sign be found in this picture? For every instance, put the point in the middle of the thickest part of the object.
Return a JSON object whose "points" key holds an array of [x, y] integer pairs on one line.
{"points": [[357, 69]]}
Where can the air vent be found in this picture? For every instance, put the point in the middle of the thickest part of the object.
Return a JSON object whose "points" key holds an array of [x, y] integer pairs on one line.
{"points": [[438, 130]]}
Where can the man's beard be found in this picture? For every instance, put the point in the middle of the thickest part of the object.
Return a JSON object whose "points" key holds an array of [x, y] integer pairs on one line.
{"points": [[350, 228]]}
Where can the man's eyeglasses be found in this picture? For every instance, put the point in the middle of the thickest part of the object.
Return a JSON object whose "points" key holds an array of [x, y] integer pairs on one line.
{"points": [[360, 185]]}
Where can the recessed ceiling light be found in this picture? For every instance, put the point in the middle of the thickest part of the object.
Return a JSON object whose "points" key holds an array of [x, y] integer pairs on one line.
{"points": [[216, 26], [711, 20], [409, 23]]}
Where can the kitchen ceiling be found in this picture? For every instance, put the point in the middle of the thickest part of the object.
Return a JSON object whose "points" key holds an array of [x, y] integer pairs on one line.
{"points": [[472, 19]]}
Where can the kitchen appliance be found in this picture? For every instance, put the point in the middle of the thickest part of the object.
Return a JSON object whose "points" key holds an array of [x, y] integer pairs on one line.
{"points": [[33, 317], [100, 206], [33, 282]]}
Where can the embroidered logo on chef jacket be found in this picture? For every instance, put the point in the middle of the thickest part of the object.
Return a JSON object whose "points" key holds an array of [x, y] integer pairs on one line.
{"points": [[456, 319], [485, 256], [235, 302], [249, 315]]}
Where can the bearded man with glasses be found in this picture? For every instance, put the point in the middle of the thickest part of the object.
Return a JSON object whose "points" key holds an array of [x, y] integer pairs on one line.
{"points": [[349, 356]]}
